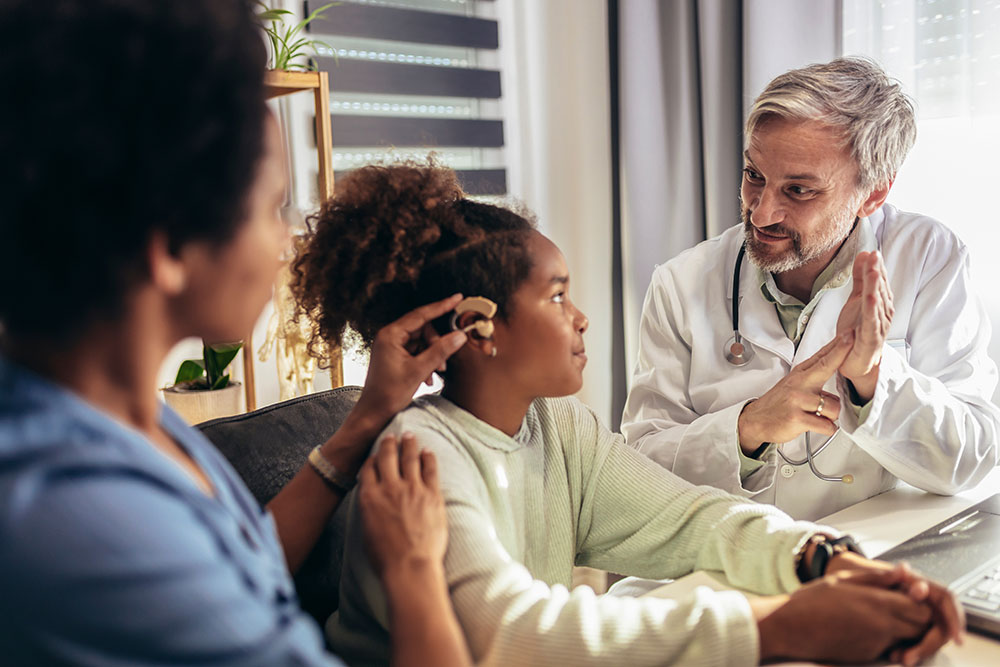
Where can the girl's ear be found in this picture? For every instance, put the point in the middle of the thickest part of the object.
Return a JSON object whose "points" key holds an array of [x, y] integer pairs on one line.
{"points": [[481, 310], [480, 330]]}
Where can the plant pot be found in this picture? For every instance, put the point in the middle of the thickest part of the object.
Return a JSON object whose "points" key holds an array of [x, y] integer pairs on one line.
{"points": [[199, 405]]}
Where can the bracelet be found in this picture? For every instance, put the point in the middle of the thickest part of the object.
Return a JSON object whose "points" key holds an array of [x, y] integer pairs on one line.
{"points": [[336, 480]]}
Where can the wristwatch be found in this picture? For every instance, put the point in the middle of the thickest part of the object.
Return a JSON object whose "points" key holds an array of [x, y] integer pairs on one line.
{"points": [[826, 549]]}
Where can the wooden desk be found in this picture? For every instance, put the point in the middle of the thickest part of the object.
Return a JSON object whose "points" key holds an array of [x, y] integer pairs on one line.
{"points": [[879, 524]]}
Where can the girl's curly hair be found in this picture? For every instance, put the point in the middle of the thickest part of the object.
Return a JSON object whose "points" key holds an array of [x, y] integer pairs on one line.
{"points": [[396, 237]]}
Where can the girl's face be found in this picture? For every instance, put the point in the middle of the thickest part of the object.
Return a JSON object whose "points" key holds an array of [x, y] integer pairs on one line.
{"points": [[541, 342]]}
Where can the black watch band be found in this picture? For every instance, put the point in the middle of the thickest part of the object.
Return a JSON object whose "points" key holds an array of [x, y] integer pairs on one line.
{"points": [[826, 549]]}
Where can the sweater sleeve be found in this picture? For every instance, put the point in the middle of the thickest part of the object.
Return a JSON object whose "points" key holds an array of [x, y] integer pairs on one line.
{"points": [[688, 527]]}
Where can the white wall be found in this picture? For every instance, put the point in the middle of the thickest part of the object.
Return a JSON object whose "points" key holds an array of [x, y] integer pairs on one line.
{"points": [[558, 139]]}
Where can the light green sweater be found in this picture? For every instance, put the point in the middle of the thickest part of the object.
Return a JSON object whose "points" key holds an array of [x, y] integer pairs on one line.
{"points": [[523, 510]]}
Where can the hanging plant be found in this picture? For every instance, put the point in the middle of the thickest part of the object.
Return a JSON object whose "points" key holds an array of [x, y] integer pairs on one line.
{"points": [[287, 41]]}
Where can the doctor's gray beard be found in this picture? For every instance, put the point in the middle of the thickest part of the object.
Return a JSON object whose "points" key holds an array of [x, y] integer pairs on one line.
{"points": [[802, 251]]}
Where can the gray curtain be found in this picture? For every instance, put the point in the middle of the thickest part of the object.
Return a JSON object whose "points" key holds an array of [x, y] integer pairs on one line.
{"points": [[681, 113]]}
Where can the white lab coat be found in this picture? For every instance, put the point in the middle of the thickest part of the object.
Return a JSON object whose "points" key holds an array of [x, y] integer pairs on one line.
{"points": [[931, 424]]}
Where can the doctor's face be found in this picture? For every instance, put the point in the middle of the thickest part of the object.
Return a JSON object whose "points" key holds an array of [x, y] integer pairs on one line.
{"points": [[799, 194]]}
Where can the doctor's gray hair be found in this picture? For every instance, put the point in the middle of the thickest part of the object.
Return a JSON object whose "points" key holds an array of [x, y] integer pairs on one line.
{"points": [[855, 95]]}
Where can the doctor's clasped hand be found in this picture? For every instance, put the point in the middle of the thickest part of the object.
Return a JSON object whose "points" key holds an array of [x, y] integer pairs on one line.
{"points": [[797, 403], [868, 313]]}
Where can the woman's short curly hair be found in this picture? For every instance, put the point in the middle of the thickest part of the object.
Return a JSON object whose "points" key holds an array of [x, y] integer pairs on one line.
{"points": [[120, 119], [396, 237]]}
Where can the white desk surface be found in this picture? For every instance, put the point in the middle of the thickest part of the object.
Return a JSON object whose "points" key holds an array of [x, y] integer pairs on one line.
{"points": [[878, 524]]}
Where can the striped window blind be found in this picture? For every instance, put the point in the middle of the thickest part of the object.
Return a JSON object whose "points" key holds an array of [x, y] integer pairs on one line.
{"points": [[411, 77]]}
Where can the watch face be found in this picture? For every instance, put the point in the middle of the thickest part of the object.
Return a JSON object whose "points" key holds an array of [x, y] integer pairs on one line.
{"points": [[821, 558]]}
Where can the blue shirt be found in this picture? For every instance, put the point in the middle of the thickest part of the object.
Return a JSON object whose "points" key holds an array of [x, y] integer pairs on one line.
{"points": [[111, 555]]}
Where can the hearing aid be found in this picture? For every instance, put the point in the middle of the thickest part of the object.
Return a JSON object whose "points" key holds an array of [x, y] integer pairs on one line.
{"points": [[480, 305]]}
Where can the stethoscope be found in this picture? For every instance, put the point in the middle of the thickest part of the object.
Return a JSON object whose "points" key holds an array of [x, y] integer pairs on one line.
{"points": [[739, 353]]}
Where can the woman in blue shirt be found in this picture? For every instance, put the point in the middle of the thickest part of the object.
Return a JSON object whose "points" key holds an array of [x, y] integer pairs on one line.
{"points": [[140, 182]]}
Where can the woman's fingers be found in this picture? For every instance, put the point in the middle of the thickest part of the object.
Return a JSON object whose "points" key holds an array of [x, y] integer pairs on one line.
{"points": [[414, 320], [409, 459], [429, 469], [387, 459], [367, 476], [437, 353]]}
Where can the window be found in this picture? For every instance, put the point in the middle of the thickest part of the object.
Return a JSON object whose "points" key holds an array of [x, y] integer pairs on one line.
{"points": [[410, 77], [946, 53]]}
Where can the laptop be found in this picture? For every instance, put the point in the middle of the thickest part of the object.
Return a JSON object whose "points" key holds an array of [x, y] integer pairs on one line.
{"points": [[963, 552]]}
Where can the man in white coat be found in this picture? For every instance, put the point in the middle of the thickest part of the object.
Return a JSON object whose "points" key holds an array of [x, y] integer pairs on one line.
{"points": [[826, 256]]}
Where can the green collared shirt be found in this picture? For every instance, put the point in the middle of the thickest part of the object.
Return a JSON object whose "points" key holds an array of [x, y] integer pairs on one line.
{"points": [[794, 315]]}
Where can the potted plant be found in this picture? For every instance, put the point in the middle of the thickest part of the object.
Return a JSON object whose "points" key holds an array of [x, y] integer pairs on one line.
{"points": [[287, 43], [202, 389]]}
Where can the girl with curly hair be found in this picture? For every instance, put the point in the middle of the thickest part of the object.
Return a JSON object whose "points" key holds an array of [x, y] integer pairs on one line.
{"points": [[534, 484]]}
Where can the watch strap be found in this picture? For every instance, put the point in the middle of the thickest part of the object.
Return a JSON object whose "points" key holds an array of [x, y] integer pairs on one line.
{"points": [[826, 549]]}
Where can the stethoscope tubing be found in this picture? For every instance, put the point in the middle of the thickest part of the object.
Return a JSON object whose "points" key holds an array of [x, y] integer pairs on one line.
{"points": [[811, 455]]}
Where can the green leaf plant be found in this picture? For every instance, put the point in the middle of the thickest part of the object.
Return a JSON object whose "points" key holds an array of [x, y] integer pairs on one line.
{"points": [[287, 42], [209, 372]]}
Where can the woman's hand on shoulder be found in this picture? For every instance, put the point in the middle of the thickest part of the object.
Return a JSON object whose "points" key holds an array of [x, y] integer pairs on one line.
{"points": [[404, 354], [402, 510]]}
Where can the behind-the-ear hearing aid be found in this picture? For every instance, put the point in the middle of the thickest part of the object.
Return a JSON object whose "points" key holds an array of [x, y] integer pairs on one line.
{"points": [[480, 305]]}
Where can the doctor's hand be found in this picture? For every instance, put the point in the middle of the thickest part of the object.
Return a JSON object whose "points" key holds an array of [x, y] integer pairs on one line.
{"points": [[789, 408], [868, 313], [843, 617]]}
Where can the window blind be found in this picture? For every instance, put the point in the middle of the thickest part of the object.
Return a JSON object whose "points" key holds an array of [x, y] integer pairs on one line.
{"points": [[411, 77], [946, 52]]}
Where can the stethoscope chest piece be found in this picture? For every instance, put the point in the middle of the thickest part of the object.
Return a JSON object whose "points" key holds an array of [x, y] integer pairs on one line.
{"points": [[736, 351]]}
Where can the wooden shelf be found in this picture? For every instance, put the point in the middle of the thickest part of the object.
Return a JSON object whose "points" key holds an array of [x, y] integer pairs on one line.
{"points": [[280, 83], [283, 83]]}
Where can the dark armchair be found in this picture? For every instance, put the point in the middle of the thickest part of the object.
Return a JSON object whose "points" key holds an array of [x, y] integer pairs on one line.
{"points": [[267, 447]]}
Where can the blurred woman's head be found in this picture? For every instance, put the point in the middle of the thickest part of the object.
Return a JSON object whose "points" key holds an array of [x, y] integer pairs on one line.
{"points": [[396, 237], [122, 122]]}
